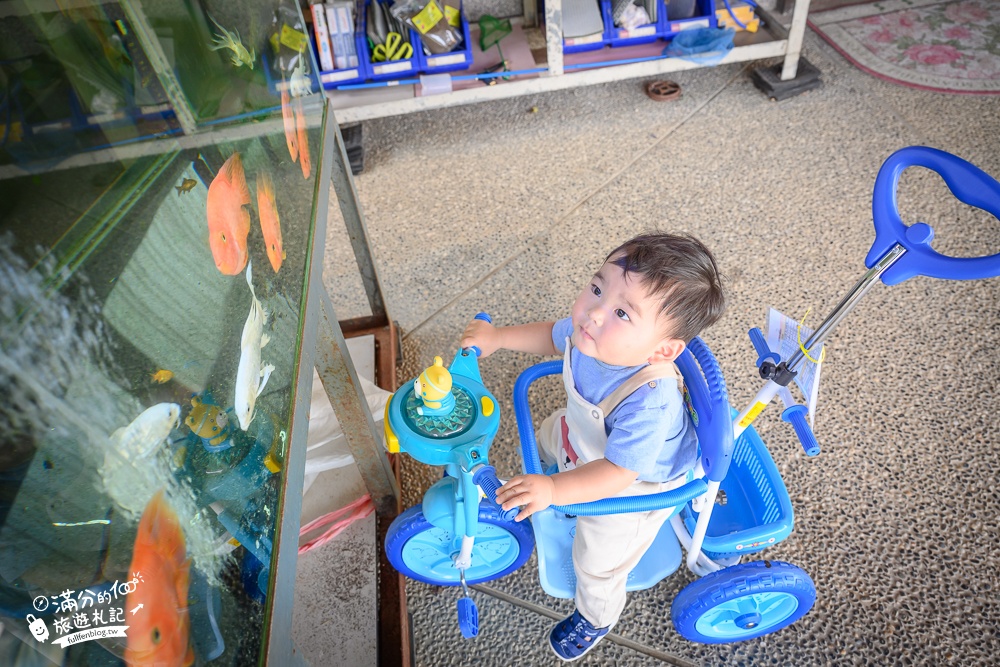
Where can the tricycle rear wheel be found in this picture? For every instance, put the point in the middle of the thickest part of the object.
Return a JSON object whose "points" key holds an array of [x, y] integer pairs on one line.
{"points": [[742, 602]]}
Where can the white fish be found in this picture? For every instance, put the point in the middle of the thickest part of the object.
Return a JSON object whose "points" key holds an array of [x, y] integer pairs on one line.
{"points": [[132, 469], [300, 84], [250, 377], [147, 431]]}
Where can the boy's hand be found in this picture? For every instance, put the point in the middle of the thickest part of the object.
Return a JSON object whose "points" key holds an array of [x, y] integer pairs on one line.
{"points": [[482, 334], [532, 493]]}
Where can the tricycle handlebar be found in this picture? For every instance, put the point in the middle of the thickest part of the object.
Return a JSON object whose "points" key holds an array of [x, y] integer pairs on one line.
{"points": [[967, 182]]}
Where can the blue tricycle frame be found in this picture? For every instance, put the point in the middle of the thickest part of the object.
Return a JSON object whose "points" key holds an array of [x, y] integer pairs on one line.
{"points": [[736, 503]]}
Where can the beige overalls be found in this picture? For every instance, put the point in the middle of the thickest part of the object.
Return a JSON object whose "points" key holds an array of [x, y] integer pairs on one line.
{"points": [[606, 548]]}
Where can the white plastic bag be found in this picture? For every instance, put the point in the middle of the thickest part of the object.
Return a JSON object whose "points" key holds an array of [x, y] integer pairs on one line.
{"points": [[326, 447]]}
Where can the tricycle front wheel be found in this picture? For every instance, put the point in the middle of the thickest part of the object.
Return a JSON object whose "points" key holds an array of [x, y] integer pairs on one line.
{"points": [[743, 602], [424, 552]]}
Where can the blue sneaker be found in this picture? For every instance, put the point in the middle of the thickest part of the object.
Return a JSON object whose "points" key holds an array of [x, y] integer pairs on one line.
{"points": [[574, 636]]}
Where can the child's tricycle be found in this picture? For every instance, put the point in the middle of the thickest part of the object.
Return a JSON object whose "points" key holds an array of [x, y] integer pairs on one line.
{"points": [[736, 502]]}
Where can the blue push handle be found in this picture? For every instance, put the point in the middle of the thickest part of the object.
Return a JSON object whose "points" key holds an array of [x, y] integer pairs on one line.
{"points": [[968, 183], [763, 349], [796, 416], [485, 318], [486, 477]]}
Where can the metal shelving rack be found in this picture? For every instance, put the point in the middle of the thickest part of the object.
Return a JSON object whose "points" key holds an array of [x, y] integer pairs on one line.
{"points": [[785, 43]]}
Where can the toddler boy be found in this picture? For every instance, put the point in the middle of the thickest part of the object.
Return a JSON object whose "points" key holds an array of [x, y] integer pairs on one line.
{"points": [[625, 430]]}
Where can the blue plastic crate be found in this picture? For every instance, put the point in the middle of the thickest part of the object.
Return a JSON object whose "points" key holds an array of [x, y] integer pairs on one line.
{"points": [[328, 79], [757, 513], [390, 69], [642, 35], [702, 15], [593, 43], [338, 77], [459, 59]]}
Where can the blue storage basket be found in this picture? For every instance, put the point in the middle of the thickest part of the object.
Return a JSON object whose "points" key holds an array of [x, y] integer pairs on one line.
{"points": [[644, 34], [594, 43], [340, 77], [327, 79], [758, 512], [459, 59], [390, 69], [703, 17]]}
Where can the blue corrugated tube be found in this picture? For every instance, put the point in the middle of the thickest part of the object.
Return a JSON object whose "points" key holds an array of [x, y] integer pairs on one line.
{"points": [[532, 464]]}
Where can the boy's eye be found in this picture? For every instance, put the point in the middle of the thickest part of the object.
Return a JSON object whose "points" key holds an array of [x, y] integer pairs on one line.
{"points": [[596, 290], [621, 313]]}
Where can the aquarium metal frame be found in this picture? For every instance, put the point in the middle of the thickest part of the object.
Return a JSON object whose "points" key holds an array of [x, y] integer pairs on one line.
{"points": [[324, 348]]}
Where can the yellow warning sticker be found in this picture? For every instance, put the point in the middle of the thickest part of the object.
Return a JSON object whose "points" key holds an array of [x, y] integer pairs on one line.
{"points": [[757, 408], [293, 39], [428, 17]]}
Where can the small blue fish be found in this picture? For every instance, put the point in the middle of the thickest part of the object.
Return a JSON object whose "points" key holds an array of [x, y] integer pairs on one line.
{"points": [[231, 40]]}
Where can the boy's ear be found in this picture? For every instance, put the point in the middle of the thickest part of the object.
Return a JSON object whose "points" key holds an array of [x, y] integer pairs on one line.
{"points": [[668, 350]]}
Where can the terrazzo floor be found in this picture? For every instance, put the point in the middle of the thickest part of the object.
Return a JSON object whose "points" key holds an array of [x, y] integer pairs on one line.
{"points": [[501, 208]]}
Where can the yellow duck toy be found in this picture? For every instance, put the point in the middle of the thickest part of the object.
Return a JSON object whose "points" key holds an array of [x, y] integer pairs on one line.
{"points": [[434, 389]]}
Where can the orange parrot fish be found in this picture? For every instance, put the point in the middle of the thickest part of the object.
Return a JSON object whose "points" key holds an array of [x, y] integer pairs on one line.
{"points": [[158, 632], [288, 116], [228, 221], [300, 126], [270, 224]]}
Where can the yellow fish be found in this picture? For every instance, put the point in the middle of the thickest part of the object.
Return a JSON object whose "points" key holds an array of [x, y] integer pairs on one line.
{"points": [[187, 185], [231, 40], [161, 376]]}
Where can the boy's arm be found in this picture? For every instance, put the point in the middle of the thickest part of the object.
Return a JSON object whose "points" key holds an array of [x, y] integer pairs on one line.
{"points": [[535, 337], [591, 481]]}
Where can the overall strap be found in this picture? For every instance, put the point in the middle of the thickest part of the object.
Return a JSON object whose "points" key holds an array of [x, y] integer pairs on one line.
{"points": [[648, 375]]}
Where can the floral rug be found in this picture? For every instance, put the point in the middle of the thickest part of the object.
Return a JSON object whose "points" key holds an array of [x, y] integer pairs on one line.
{"points": [[951, 47]]}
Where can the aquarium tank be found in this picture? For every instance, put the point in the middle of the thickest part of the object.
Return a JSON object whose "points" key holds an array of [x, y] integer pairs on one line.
{"points": [[159, 170]]}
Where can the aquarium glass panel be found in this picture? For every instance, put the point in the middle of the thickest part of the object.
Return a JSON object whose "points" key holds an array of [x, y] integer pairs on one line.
{"points": [[154, 276]]}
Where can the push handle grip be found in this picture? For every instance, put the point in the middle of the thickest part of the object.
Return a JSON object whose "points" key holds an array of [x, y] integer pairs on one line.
{"points": [[764, 352], [485, 318], [796, 416], [967, 182], [486, 477]]}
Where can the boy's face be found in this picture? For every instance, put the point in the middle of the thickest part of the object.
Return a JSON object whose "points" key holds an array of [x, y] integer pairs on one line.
{"points": [[615, 320]]}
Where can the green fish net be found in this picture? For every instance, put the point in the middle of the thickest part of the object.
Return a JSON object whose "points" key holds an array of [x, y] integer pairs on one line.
{"points": [[442, 426], [492, 30]]}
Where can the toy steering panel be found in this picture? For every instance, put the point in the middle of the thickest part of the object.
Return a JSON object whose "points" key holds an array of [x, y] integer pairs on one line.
{"points": [[967, 182]]}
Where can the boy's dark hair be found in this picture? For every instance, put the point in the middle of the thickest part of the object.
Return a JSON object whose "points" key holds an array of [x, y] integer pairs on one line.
{"points": [[681, 271]]}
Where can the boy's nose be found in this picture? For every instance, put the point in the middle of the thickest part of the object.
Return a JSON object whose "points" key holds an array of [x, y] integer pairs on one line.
{"points": [[596, 315]]}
